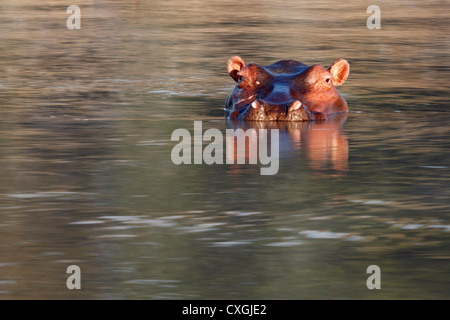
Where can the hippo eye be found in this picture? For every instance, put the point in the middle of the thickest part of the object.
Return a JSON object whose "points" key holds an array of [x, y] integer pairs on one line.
{"points": [[328, 80]]}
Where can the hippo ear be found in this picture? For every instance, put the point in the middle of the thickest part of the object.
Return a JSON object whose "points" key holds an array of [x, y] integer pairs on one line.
{"points": [[235, 64], [339, 70]]}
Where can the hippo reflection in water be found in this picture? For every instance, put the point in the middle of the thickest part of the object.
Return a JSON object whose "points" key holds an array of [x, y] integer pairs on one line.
{"points": [[287, 90]]}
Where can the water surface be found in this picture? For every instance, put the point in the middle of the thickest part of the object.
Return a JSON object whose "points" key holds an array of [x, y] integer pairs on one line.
{"points": [[86, 120]]}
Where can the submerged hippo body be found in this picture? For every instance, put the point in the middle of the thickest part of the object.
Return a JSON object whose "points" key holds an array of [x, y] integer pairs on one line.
{"points": [[287, 90]]}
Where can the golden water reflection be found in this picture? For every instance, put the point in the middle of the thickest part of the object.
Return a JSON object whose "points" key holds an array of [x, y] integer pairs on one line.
{"points": [[323, 142]]}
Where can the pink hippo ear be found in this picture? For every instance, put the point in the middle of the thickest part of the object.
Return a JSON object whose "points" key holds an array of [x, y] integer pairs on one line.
{"points": [[235, 64], [340, 71]]}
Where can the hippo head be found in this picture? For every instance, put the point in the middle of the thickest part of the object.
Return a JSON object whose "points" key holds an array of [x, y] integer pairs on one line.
{"points": [[287, 90]]}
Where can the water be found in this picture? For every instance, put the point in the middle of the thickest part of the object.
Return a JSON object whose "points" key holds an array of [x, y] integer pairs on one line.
{"points": [[86, 120]]}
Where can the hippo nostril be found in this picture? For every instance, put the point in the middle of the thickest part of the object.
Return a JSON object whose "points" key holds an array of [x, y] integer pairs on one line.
{"points": [[255, 104], [295, 105]]}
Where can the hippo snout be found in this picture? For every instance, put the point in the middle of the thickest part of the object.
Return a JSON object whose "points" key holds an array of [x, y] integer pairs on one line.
{"points": [[259, 110]]}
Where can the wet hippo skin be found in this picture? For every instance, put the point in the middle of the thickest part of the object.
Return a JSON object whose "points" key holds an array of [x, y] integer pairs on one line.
{"points": [[287, 90]]}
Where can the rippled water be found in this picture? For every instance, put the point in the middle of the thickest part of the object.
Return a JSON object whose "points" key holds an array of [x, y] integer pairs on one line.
{"points": [[86, 120]]}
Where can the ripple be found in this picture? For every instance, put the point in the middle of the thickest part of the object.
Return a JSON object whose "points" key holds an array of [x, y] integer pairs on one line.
{"points": [[230, 243], [87, 222], [121, 218], [434, 167], [152, 143], [314, 234], [439, 226], [38, 194], [372, 202], [117, 236], [47, 194], [152, 281], [7, 264], [412, 226], [153, 222], [285, 244], [203, 227], [158, 222], [355, 238], [319, 218], [242, 213]]}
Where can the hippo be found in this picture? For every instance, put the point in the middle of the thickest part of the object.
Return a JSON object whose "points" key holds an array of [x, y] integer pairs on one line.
{"points": [[286, 90]]}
